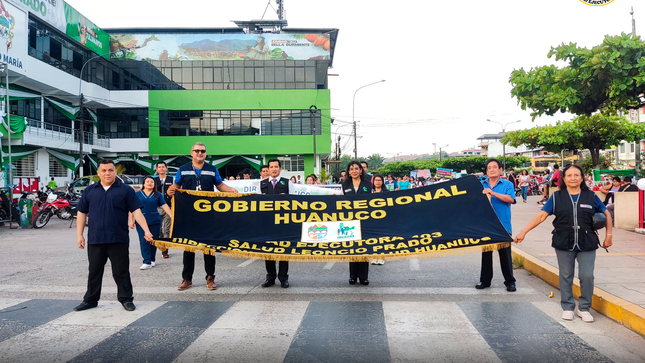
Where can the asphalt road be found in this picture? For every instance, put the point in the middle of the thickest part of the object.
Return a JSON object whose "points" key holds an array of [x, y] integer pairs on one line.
{"points": [[414, 311]]}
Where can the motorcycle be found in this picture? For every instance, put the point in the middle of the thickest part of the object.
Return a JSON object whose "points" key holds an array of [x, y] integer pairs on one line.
{"points": [[55, 204], [8, 209]]}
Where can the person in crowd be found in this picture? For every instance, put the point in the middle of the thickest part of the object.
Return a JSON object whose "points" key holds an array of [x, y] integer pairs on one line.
{"points": [[502, 195], [610, 189], [524, 181], [574, 238], [378, 186], [231, 177], [413, 182], [545, 183], [625, 186], [264, 172], [163, 181], [404, 184], [512, 178], [334, 180], [357, 184], [367, 176], [293, 180], [198, 175], [556, 179], [52, 184], [151, 200], [299, 181], [246, 173], [391, 184], [312, 179], [108, 202], [275, 184], [343, 176]]}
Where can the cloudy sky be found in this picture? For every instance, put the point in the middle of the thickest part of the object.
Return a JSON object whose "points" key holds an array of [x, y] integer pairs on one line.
{"points": [[446, 63]]}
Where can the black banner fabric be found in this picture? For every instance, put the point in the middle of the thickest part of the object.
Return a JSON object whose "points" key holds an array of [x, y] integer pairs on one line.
{"points": [[451, 217]]}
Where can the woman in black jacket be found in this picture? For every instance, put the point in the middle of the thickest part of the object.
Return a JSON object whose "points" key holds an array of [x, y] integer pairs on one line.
{"points": [[355, 184]]}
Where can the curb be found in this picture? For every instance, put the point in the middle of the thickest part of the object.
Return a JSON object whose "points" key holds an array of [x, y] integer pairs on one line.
{"points": [[630, 315]]}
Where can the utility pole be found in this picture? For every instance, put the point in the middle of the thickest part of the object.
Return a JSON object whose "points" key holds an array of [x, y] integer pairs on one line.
{"points": [[338, 157], [81, 139], [637, 149], [5, 67]]}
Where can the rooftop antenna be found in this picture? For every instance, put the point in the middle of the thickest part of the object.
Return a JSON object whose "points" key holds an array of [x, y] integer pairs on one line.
{"points": [[633, 22]]}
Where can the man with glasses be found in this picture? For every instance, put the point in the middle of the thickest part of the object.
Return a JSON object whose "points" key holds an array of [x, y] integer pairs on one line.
{"points": [[198, 175]]}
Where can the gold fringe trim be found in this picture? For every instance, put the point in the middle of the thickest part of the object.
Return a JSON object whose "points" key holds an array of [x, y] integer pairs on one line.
{"points": [[335, 258]]}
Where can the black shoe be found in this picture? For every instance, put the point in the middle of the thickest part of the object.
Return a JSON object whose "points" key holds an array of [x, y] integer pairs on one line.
{"points": [[285, 284], [268, 283], [128, 305], [365, 282], [481, 285], [511, 288], [84, 306], [352, 281]]}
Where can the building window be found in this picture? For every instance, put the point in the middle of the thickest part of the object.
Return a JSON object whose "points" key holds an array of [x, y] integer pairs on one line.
{"points": [[622, 148], [25, 166], [631, 144], [292, 162], [123, 122], [56, 169]]}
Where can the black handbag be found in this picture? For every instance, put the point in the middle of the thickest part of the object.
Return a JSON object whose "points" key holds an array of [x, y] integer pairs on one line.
{"points": [[599, 220]]}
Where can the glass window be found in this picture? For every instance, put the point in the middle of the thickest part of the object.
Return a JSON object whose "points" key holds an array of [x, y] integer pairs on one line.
{"points": [[25, 166]]}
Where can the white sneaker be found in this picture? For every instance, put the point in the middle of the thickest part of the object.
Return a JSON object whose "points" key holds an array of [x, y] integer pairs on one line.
{"points": [[374, 262], [567, 315], [381, 262], [153, 264], [585, 316], [145, 266]]}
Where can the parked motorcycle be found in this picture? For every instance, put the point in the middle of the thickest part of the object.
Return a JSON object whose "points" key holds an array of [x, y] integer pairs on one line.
{"points": [[6, 207], [55, 204]]}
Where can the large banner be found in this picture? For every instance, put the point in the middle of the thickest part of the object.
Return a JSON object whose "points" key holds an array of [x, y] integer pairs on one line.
{"points": [[452, 217], [13, 37], [85, 32], [218, 46], [51, 11]]}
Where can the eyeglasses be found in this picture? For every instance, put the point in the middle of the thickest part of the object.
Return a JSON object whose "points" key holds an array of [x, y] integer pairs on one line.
{"points": [[200, 151]]}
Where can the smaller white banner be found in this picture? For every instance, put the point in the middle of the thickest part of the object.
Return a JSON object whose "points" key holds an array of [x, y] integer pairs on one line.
{"points": [[304, 189], [245, 185], [323, 232]]}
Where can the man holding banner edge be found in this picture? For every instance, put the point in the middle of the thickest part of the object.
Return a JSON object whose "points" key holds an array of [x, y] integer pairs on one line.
{"points": [[198, 175], [502, 194]]}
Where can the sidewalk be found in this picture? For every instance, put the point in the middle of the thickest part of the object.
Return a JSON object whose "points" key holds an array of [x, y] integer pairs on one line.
{"points": [[619, 275]]}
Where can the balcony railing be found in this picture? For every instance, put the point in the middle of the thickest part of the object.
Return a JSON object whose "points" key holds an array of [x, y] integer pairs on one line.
{"points": [[44, 129]]}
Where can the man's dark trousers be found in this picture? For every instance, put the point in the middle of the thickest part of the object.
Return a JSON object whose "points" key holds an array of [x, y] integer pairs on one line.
{"points": [[189, 265], [505, 261], [119, 256], [283, 268]]}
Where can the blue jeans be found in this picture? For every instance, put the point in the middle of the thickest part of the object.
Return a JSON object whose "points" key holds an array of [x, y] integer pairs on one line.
{"points": [[148, 251], [525, 192], [566, 265]]}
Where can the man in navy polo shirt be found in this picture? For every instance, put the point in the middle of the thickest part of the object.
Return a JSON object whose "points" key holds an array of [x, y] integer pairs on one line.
{"points": [[502, 195], [108, 203], [198, 175]]}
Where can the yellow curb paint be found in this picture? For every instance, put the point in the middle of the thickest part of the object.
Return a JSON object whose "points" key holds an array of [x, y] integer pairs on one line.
{"points": [[598, 254], [630, 315]]}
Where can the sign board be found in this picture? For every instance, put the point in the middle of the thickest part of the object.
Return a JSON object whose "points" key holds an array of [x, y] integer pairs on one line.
{"points": [[218, 46], [85, 32], [13, 36]]}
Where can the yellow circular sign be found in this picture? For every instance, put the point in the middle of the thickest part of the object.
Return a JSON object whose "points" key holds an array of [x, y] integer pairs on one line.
{"points": [[596, 2]]}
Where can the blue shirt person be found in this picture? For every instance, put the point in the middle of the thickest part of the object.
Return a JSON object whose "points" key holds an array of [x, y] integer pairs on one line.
{"points": [[198, 175], [108, 203], [502, 195], [151, 200]]}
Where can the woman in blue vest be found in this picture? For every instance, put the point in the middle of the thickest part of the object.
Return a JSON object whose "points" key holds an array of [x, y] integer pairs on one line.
{"points": [[574, 238], [151, 199]]}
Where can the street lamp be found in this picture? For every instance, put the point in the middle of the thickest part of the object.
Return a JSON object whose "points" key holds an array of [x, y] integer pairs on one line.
{"points": [[353, 121], [81, 138], [504, 145], [440, 147]]}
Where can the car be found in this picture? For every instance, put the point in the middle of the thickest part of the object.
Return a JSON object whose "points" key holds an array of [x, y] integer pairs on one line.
{"points": [[78, 185]]}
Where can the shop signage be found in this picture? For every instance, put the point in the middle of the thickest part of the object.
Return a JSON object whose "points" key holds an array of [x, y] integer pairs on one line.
{"points": [[13, 36]]}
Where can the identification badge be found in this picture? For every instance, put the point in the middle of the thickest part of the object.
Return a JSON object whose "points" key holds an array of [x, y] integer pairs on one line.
{"points": [[586, 206]]}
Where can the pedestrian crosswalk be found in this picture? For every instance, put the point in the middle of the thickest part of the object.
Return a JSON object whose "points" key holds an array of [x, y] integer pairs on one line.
{"points": [[288, 331]]}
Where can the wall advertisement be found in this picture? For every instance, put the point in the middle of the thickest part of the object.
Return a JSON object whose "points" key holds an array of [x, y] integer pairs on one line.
{"points": [[85, 32], [13, 36], [51, 11], [217, 46]]}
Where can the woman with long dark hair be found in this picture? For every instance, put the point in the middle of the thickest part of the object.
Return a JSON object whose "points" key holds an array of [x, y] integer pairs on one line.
{"points": [[151, 199], [524, 181], [574, 238], [355, 184]]}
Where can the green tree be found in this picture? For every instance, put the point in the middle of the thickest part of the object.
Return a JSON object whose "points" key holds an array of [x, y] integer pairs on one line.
{"points": [[607, 78], [375, 161], [595, 132], [586, 163]]}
